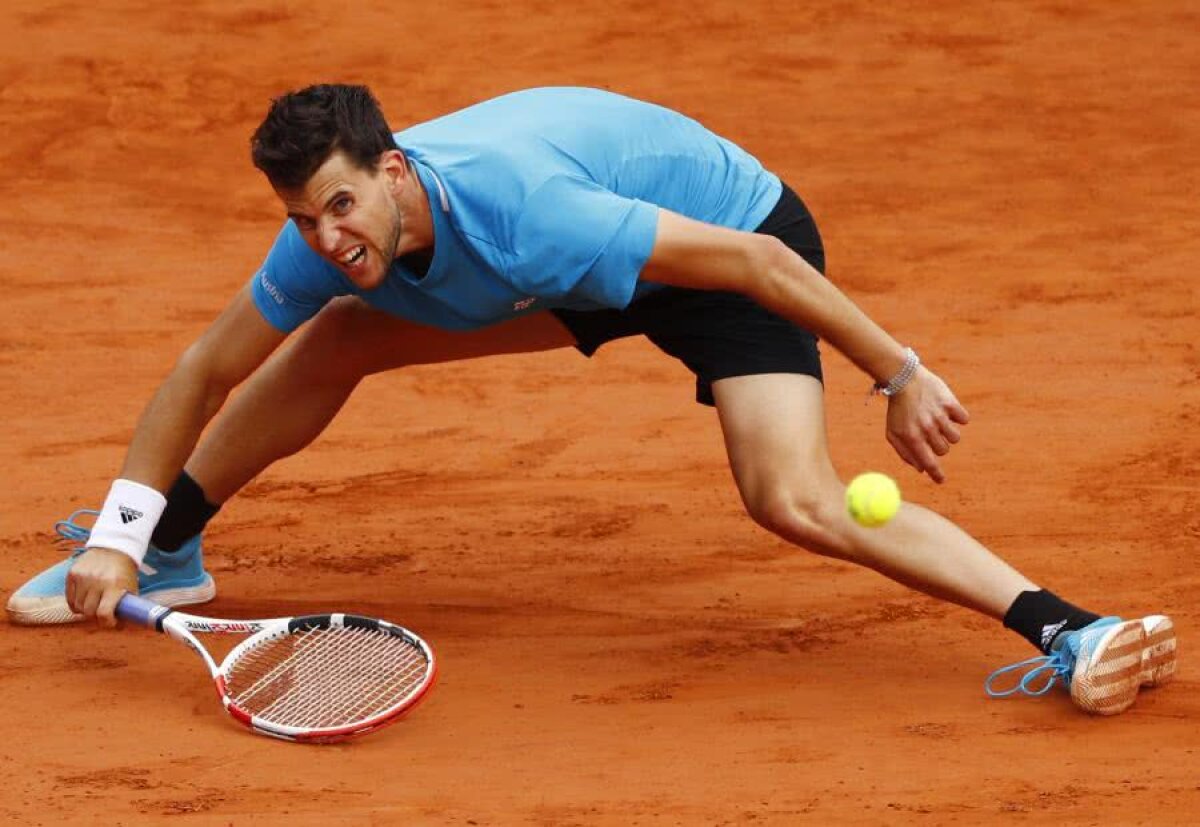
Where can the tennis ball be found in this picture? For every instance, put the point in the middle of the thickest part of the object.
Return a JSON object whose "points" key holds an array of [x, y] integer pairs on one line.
{"points": [[872, 499]]}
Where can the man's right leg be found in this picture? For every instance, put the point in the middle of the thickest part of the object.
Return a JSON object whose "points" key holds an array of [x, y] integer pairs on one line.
{"points": [[283, 407]]}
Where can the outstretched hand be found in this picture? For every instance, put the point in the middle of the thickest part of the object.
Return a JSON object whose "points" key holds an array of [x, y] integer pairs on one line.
{"points": [[922, 422]]}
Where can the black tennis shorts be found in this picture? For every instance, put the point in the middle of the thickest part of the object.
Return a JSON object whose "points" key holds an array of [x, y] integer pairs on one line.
{"points": [[717, 334]]}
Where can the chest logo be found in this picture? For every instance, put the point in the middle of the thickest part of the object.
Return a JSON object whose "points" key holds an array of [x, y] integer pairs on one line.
{"points": [[524, 303]]}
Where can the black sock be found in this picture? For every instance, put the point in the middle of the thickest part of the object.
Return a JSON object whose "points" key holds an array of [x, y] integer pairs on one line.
{"points": [[186, 514], [1040, 617]]}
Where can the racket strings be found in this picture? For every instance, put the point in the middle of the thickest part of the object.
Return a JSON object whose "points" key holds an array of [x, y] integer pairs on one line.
{"points": [[360, 700], [360, 693], [332, 677], [326, 677]]}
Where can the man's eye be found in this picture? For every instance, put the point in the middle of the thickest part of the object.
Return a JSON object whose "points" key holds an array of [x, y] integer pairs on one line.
{"points": [[342, 206]]}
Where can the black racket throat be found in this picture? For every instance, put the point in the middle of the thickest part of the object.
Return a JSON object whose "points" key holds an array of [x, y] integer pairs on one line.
{"points": [[158, 623], [306, 623]]}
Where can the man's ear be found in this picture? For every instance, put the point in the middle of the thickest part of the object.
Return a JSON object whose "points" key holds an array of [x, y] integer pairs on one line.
{"points": [[393, 164]]}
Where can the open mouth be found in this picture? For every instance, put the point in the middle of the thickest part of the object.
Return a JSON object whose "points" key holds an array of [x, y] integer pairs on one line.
{"points": [[354, 257]]}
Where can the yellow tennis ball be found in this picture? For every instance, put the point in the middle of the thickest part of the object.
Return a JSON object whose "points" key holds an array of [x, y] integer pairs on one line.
{"points": [[872, 499]]}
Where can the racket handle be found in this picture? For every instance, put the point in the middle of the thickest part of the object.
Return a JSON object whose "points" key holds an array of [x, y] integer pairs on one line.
{"points": [[140, 610]]}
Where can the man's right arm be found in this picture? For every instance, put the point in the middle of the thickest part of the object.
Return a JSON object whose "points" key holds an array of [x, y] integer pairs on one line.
{"points": [[221, 359], [225, 355]]}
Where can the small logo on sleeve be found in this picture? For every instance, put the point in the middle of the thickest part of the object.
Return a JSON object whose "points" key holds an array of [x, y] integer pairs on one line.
{"points": [[524, 304], [269, 287]]}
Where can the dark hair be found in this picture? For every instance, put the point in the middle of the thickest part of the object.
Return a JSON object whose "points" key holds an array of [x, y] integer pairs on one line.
{"points": [[302, 129]]}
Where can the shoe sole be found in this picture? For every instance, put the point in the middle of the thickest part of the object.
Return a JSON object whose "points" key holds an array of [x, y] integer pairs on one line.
{"points": [[1158, 654], [1128, 656], [48, 611]]}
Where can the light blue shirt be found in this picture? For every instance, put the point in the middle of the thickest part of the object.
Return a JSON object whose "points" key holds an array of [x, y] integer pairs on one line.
{"points": [[546, 198]]}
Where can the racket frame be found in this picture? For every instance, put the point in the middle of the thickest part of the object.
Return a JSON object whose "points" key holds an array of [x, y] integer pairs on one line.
{"points": [[181, 626]]}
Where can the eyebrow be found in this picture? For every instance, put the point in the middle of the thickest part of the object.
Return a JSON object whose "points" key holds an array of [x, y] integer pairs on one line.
{"points": [[335, 195]]}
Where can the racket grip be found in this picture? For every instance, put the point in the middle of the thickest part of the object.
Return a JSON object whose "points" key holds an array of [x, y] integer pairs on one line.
{"points": [[139, 610]]}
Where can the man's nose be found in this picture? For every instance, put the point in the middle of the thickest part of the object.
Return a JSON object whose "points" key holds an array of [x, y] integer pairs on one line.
{"points": [[328, 235]]}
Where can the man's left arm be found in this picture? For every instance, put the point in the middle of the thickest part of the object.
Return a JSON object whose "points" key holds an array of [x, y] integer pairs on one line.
{"points": [[923, 419]]}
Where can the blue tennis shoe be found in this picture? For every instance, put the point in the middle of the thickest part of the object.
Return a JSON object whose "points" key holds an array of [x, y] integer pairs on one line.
{"points": [[175, 579], [1103, 665]]}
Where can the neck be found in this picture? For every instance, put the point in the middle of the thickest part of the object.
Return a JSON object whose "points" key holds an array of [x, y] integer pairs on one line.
{"points": [[416, 216]]}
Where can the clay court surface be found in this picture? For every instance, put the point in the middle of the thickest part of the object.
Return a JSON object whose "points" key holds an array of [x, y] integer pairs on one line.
{"points": [[1010, 188]]}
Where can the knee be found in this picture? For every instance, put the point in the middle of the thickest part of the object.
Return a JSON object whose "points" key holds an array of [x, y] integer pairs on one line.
{"points": [[810, 516]]}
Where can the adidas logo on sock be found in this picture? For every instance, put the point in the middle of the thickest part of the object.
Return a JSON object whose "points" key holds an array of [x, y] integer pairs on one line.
{"points": [[128, 515], [1049, 631]]}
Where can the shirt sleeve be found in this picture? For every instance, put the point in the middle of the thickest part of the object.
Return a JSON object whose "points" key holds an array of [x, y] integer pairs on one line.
{"points": [[293, 282], [575, 239]]}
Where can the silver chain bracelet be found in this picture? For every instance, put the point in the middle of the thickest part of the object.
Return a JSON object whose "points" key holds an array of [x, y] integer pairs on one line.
{"points": [[898, 382]]}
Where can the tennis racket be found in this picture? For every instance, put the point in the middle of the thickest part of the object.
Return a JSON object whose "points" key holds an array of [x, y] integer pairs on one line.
{"points": [[316, 679]]}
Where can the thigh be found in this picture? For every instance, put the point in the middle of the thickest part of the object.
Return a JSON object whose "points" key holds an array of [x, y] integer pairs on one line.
{"points": [[774, 429], [363, 340]]}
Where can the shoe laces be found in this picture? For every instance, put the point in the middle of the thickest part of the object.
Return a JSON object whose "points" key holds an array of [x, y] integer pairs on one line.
{"points": [[71, 532], [1049, 669]]}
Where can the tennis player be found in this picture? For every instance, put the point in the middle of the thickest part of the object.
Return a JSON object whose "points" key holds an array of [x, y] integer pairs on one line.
{"points": [[543, 219]]}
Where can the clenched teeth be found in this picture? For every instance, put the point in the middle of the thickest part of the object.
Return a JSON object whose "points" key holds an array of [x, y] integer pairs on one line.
{"points": [[354, 255]]}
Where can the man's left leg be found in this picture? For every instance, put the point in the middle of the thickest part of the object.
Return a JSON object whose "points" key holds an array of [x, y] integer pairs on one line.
{"points": [[774, 429]]}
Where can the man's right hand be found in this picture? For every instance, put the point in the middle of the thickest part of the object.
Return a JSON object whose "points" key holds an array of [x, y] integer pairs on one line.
{"points": [[97, 582]]}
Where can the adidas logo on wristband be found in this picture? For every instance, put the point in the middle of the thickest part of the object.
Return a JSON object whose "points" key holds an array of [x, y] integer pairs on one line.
{"points": [[130, 512], [128, 515]]}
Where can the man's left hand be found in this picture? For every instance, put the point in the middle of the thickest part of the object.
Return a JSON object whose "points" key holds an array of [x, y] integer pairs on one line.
{"points": [[922, 422]]}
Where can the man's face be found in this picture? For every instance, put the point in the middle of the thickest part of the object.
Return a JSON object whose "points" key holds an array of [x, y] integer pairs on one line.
{"points": [[349, 216]]}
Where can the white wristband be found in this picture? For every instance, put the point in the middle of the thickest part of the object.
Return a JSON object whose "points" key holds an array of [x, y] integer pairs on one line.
{"points": [[128, 519]]}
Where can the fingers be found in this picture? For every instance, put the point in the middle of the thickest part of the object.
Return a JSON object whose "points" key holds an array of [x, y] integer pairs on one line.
{"points": [[81, 592], [935, 440], [928, 462], [107, 607], [70, 592], [90, 600], [917, 453], [921, 449], [97, 601], [902, 449]]}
